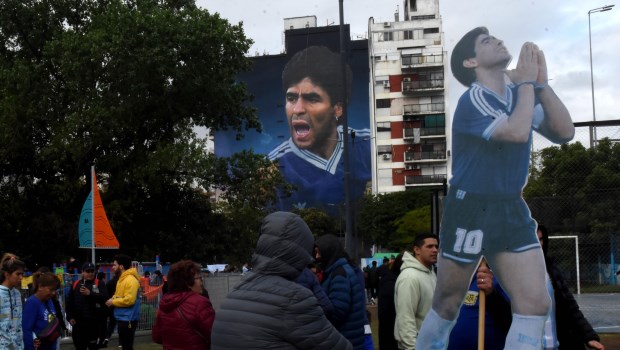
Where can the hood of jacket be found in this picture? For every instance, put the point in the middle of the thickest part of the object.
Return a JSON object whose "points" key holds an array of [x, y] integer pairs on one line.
{"points": [[330, 249], [171, 301], [284, 246], [410, 262], [130, 273]]}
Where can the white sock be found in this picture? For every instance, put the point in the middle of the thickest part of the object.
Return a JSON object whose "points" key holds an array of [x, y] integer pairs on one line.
{"points": [[525, 332], [435, 332]]}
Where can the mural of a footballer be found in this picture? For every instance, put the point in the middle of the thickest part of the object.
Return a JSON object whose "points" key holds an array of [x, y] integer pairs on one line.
{"points": [[485, 214], [312, 158]]}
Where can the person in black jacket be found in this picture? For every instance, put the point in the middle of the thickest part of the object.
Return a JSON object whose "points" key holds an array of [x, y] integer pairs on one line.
{"points": [[571, 326], [85, 308], [268, 309], [111, 322], [386, 310]]}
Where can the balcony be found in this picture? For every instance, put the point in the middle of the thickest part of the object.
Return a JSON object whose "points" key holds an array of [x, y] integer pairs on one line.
{"points": [[425, 180], [424, 108], [410, 87], [425, 156], [413, 62], [409, 133]]}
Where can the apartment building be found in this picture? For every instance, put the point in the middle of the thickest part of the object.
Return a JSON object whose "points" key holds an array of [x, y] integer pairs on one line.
{"points": [[408, 93]]}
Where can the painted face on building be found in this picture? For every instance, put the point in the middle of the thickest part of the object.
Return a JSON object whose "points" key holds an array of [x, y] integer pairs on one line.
{"points": [[312, 118]]}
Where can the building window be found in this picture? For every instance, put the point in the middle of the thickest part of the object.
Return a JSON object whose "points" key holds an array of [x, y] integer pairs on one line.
{"points": [[431, 30], [388, 36], [384, 149], [384, 127], [408, 34], [384, 103], [419, 18], [413, 5]]}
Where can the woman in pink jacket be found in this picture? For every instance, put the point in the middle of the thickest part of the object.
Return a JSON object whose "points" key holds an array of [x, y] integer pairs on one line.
{"points": [[185, 316]]}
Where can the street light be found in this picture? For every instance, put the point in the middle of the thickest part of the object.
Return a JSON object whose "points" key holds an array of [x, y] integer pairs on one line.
{"points": [[598, 9]]}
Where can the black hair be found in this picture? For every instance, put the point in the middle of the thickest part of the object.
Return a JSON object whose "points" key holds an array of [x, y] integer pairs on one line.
{"points": [[324, 68], [398, 262], [123, 260], [9, 264], [545, 239], [418, 241], [463, 50]]}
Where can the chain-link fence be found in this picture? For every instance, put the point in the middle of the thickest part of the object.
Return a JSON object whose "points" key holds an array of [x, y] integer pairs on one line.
{"points": [[575, 192]]}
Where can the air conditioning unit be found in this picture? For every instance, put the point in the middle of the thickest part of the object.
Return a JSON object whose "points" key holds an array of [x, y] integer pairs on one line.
{"points": [[386, 24], [407, 79], [387, 156], [386, 84], [412, 166]]}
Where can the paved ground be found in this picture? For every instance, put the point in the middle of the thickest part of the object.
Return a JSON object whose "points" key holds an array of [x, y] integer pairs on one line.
{"points": [[602, 310]]}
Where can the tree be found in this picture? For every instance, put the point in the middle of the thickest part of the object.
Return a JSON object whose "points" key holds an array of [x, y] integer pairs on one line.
{"points": [[122, 84], [414, 222], [319, 222], [575, 189], [379, 218]]}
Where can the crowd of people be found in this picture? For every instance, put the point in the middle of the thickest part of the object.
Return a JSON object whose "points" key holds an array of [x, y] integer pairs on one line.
{"points": [[428, 297], [39, 321], [301, 293]]}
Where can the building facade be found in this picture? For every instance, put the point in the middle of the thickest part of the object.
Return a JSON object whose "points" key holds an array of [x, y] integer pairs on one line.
{"points": [[408, 99]]}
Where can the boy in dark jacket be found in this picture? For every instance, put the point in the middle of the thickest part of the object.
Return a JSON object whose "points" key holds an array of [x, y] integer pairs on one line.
{"points": [[571, 326], [85, 308]]}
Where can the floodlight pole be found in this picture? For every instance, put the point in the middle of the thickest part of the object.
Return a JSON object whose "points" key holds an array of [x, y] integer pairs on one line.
{"points": [[593, 139]]}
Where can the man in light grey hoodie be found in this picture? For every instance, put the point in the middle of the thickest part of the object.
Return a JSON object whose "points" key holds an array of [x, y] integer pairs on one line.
{"points": [[415, 286]]}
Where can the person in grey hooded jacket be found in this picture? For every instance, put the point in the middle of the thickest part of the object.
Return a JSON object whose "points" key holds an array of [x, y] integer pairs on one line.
{"points": [[268, 310]]}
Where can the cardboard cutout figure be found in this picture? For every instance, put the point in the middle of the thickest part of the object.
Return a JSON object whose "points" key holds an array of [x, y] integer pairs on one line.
{"points": [[485, 214]]}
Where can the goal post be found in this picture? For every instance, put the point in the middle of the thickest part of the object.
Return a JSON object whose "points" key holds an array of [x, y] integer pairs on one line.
{"points": [[576, 240]]}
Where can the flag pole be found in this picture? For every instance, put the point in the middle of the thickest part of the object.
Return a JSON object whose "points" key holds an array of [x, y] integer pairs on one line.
{"points": [[92, 219]]}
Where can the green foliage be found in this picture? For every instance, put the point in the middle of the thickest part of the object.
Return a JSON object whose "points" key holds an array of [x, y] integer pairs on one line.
{"points": [[575, 189], [410, 225], [319, 222], [378, 221], [123, 84]]}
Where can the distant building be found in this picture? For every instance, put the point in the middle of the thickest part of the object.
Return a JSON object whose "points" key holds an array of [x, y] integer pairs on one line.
{"points": [[404, 106], [409, 113]]}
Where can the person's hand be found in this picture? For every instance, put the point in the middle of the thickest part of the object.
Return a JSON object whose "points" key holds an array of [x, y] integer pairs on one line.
{"points": [[593, 344], [84, 290], [72, 321], [485, 279], [527, 65], [36, 342], [542, 68], [109, 302]]}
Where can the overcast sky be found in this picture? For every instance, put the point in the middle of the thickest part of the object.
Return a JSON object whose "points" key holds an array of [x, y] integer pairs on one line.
{"points": [[559, 27]]}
